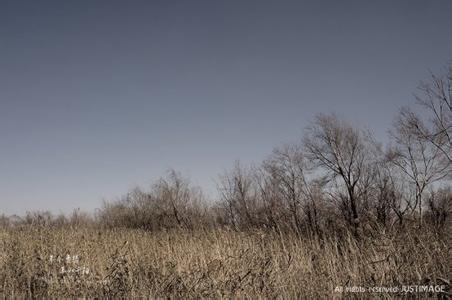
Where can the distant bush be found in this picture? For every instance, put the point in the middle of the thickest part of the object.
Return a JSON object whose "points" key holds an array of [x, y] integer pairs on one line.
{"points": [[171, 203], [47, 219]]}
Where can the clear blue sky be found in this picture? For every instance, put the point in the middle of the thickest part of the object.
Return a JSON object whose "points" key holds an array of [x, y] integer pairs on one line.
{"points": [[99, 96]]}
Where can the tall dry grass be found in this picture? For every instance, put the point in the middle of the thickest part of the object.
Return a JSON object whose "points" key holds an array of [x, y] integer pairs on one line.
{"points": [[212, 263]]}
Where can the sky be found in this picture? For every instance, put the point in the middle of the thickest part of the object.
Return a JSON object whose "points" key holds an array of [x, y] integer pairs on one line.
{"points": [[97, 97]]}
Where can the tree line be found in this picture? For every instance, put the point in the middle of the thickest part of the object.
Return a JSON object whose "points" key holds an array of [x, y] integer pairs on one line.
{"points": [[337, 178]]}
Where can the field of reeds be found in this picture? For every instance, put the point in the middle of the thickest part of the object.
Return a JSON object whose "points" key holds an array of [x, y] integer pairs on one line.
{"points": [[42, 261]]}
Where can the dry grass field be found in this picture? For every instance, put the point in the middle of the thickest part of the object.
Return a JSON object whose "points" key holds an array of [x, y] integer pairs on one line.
{"points": [[90, 262]]}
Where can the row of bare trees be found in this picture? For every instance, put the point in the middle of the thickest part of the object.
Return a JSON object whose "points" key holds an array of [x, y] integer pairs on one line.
{"points": [[340, 171], [337, 177]]}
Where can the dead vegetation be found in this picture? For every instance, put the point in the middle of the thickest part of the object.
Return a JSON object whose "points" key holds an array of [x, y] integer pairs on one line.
{"points": [[212, 263]]}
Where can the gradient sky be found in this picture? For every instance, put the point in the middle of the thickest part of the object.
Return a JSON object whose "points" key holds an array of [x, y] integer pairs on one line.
{"points": [[99, 96]]}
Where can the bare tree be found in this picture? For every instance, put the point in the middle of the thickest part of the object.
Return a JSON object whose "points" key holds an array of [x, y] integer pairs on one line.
{"points": [[288, 170], [384, 194], [439, 207], [422, 161], [344, 153], [392, 190], [436, 97], [286, 167], [239, 195], [273, 211]]}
